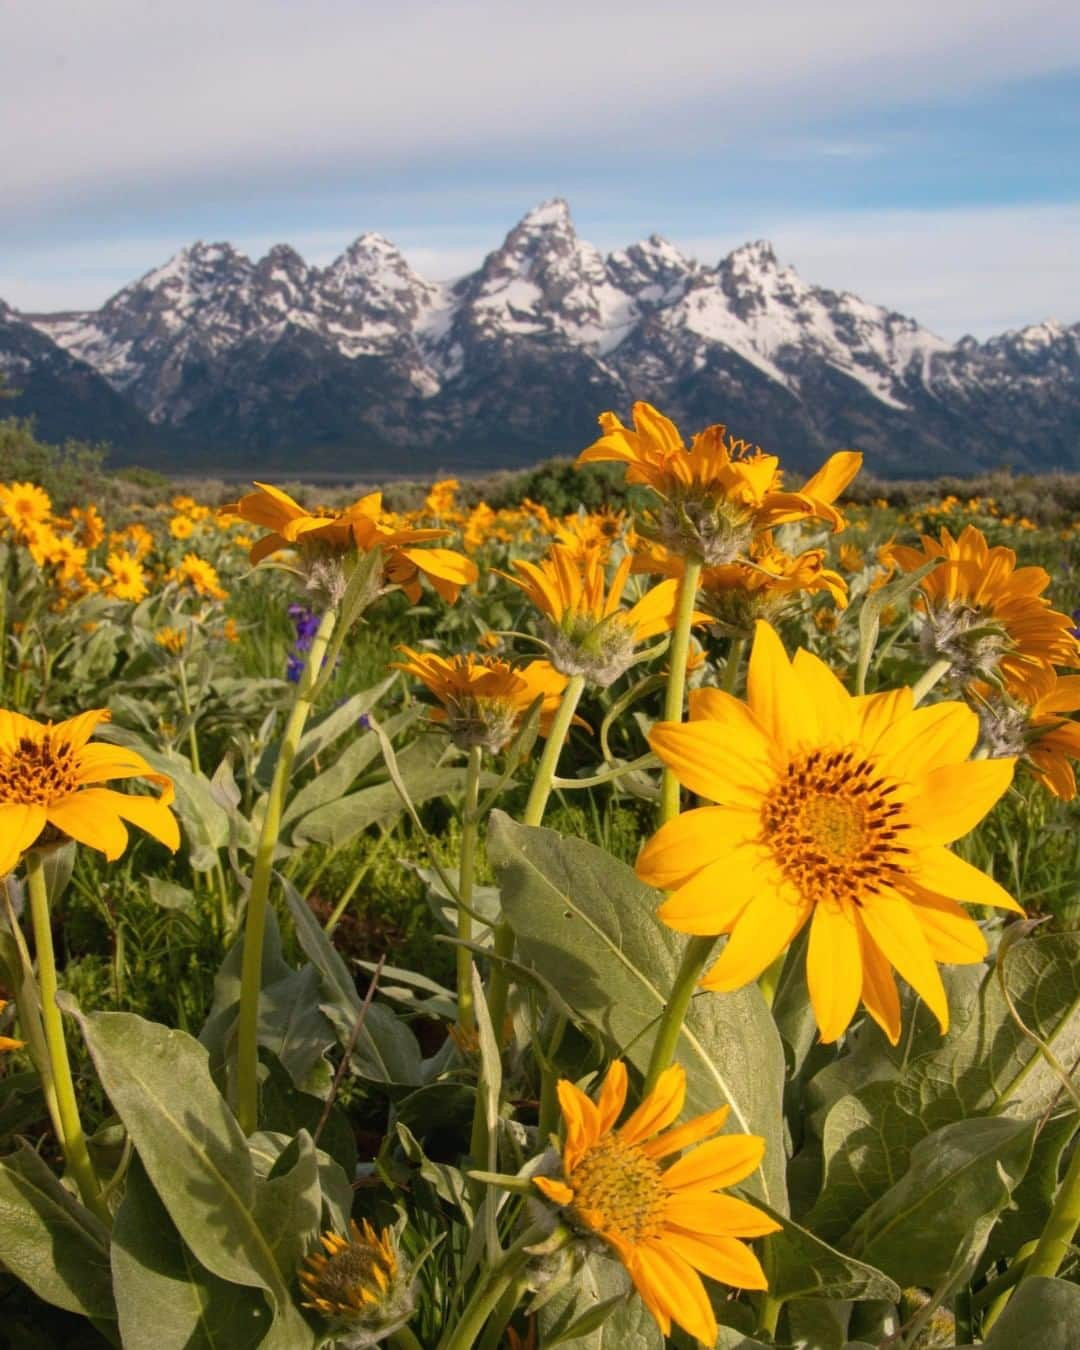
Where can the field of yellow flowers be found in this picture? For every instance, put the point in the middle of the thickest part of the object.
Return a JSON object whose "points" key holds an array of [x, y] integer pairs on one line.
{"points": [[491, 926]]}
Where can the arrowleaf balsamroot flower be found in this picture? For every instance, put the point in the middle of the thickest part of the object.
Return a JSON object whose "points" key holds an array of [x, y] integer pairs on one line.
{"points": [[665, 1224], [49, 777], [718, 492], [1039, 731], [987, 616], [835, 811], [484, 698], [363, 526], [360, 1284], [588, 632]]}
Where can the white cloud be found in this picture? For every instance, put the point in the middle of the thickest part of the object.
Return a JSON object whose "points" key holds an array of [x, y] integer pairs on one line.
{"points": [[98, 99]]}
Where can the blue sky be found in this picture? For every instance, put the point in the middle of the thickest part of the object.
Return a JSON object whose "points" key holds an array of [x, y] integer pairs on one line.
{"points": [[924, 157]]}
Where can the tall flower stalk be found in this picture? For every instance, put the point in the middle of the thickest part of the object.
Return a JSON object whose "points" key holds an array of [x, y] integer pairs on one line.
{"points": [[676, 685], [247, 1048], [72, 1138]]}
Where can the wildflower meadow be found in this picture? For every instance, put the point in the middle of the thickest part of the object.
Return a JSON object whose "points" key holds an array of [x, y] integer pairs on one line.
{"points": [[511, 924]]}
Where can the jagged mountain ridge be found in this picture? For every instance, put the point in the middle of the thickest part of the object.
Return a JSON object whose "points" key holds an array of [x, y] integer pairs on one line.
{"points": [[366, 363]]}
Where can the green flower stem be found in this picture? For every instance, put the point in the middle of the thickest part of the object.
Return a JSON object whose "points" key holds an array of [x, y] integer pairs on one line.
{"points": [[515, 1291], [731, 667], [403, 1339], [72, 1139], [549, 760], [490, 1291], [247, 1050], [185, 703], [1057, 1236], [466, 880], [676, 685], [534, 815], [696, 954], [928, 679], [549, 1100]]}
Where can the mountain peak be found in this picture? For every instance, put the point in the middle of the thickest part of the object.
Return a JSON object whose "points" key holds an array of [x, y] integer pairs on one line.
{"points": [[553, 214], [756, 255]]}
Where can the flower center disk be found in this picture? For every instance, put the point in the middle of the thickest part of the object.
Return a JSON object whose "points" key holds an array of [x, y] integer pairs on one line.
{"points": [[37, 772], [832, 824], [617, 1190]]}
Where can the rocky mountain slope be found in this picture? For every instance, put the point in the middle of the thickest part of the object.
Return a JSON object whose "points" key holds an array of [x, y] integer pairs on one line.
{"points": [[365, 365]]}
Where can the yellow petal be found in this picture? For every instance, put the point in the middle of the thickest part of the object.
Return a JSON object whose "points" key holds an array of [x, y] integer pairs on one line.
{"points": [[659, 1108], [716, 760], [821, 689], [90, 818], [891, 924], [556, 1191], [612, 1097], [692, 841], [720, 1162], [712, 900], [679, 1287], [951, 933], [775, 694], [20, 825], [834, 974], [685, 1136], [938, 869], [78, 730], [952, 800], [721, 1258], [875, 713], [879, 992], [717, 1215], [926, 739], [765, 927]]}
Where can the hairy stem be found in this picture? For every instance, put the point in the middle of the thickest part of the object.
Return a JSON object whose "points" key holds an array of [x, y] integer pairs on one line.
{"points": [[676, 685], [72, 1139], [247, 1050]]}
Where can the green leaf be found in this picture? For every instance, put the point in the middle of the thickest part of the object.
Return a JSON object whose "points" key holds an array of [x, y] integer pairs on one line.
{"points": [[940, 1212], [1042, 1314], [166, 1300], [870, 615], [801, 1266], [50, 1241], [288, 1206], [323, 733], [386, 1050], [168, 894], [627, 1325], [194, 1152], [985, 1065], [1025, 1217], [586, 923], [334, 781]]}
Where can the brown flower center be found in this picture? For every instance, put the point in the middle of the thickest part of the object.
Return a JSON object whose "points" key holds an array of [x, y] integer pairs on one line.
{"points": [[37, 772], [617, 1191], [833, 824]]}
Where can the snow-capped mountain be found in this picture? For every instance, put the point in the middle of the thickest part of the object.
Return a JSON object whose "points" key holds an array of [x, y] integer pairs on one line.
{"points": [[246, 359]]}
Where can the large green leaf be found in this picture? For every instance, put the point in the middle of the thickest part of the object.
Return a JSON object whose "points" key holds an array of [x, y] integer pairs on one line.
{"points": [[1024, 1219], [194, 1152], [801, 1266], [386, 1051], [336, 778], [50, 1241], [586, 923], [939, 1214], [1042, 1314], [166, 1300], [322, 734], [985, 1065], [288, 1205]]}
